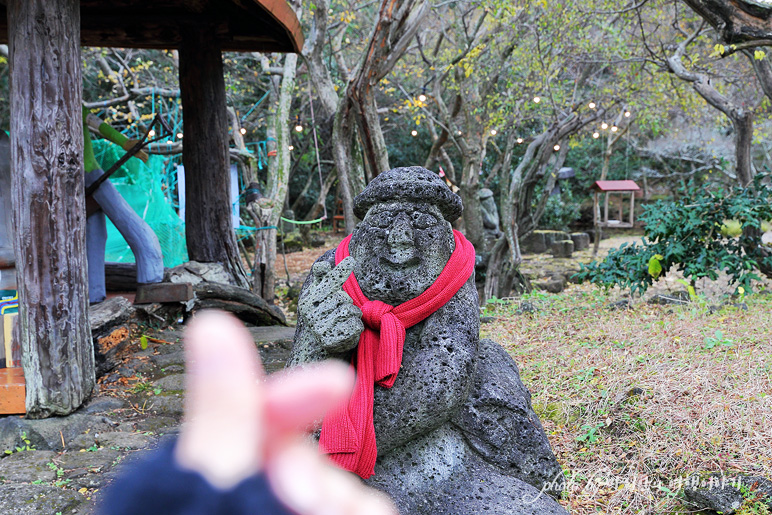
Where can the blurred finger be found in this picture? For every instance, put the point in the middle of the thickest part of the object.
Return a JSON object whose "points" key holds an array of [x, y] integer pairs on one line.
{"points": [[222, 435], [309, 485], [297, 397]]}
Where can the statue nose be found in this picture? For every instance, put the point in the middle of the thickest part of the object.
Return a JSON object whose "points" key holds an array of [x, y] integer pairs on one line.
{"points": [[401, 232]]}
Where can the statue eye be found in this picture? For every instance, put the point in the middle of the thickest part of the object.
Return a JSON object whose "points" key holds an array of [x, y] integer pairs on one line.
{"points": [[423, 220], [381, 220]]}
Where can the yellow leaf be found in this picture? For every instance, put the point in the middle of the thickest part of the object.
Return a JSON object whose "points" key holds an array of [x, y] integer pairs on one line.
{"points": [[83, 490], [759, 55]]}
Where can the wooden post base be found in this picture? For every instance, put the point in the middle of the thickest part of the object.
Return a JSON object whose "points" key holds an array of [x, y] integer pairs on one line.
{"points": [[13, 391]]}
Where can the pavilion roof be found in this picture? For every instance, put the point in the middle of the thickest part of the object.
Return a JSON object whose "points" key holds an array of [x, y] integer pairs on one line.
{"points": [[241, 25]]}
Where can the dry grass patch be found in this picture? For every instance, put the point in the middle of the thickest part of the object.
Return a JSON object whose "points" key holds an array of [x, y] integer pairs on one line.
{"points": [[635, 401]]}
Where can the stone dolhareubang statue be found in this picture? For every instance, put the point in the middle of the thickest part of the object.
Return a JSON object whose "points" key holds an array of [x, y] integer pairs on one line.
{"points": [[438, 419]]}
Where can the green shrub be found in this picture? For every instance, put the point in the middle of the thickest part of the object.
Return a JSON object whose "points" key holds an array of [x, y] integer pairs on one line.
{"points": [[694, 235], [559, 212]]}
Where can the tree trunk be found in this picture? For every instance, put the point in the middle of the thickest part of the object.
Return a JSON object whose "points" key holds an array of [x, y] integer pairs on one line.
{"points": [[208, 225], [743, 138], [344, 162], [48, 201]]}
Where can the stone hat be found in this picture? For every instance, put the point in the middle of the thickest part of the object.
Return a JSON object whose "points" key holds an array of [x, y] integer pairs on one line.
{"points": [[412, 184]]}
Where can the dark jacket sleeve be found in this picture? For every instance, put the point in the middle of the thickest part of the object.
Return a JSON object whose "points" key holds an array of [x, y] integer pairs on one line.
{"points": [[158, 485]]}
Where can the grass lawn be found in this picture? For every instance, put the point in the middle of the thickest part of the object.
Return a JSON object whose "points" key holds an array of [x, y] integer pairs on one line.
{"points": [[634, 401]]}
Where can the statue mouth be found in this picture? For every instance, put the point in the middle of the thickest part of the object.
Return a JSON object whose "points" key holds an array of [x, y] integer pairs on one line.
{"points": [[400, 260]]}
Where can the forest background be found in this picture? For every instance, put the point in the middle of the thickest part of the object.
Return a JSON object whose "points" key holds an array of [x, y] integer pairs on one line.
{"points": [[494, 94]]}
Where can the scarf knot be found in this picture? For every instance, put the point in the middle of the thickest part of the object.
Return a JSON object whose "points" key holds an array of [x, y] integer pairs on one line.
{"points": [[373, 312]]}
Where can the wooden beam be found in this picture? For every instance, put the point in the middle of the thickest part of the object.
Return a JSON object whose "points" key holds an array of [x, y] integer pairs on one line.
{"points": [[208, 223], [48, 202]]}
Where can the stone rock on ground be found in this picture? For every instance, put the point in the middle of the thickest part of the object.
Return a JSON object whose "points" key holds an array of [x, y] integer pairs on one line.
{"points": [[621, 304], [27, 499], [114, 440], [101, 459], [581, 240], [27, 466], [174, 382], [562, 248], [679, 298], [724, 494], [554, 284], [539, 242], [194, 273], [293, 242], [274, 344], [47, 434]]}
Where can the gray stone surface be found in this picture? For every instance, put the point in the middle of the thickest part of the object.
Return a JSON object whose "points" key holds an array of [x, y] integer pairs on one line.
{"points": [[678, 298], [28, 499], [562, 249], [103, 404], [581, 240], [456, 433], [167, 404], [27, 466], [499, 423], [724, 493], [174, 382], [539, 242], [554, 284], [130, 441], [47, 434], [164, 360], [194, 272], [101, 459]]}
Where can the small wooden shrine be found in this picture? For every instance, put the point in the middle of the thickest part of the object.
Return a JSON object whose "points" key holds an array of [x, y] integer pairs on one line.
{"points": [[620, 189]]}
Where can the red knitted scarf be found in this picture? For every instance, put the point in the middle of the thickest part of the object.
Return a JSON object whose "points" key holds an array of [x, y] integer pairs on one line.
{"points": [[348, 434]]}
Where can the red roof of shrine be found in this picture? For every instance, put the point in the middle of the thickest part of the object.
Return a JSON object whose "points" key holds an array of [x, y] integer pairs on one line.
{"points": [[615, 186]]}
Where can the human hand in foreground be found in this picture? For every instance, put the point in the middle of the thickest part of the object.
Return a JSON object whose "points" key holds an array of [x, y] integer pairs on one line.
{"points": [[239, 424], [242, 449], [331, 315]]}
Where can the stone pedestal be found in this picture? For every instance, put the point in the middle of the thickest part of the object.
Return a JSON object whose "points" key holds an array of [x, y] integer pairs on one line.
{"points": [[562, 249], [581, 240], [539, 242]]}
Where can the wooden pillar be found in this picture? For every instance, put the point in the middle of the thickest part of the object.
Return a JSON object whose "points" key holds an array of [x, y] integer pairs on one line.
{"points": [[208, 226], [48, 201]]}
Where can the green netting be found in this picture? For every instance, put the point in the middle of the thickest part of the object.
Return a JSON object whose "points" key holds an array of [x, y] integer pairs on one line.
{"points": [[145, 188]]}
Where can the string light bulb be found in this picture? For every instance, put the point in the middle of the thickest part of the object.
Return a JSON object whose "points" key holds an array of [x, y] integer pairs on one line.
{"points": [[179, 135], [556, 147], [151, 134], [298, 125], [593, 105], [422, 96], [628, 114], [536, 100], [494, 132], [291, 148], [519, 141], [459, 133], [614, 128], [604, 126], [414, 133], [243, 131], [596, 135]]}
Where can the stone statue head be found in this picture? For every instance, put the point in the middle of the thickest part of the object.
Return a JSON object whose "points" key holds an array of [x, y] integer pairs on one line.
{"points": [[405, 237]]}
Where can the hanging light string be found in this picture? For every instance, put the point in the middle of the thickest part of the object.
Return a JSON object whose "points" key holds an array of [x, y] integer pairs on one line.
{"points": [[316, 146]]}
